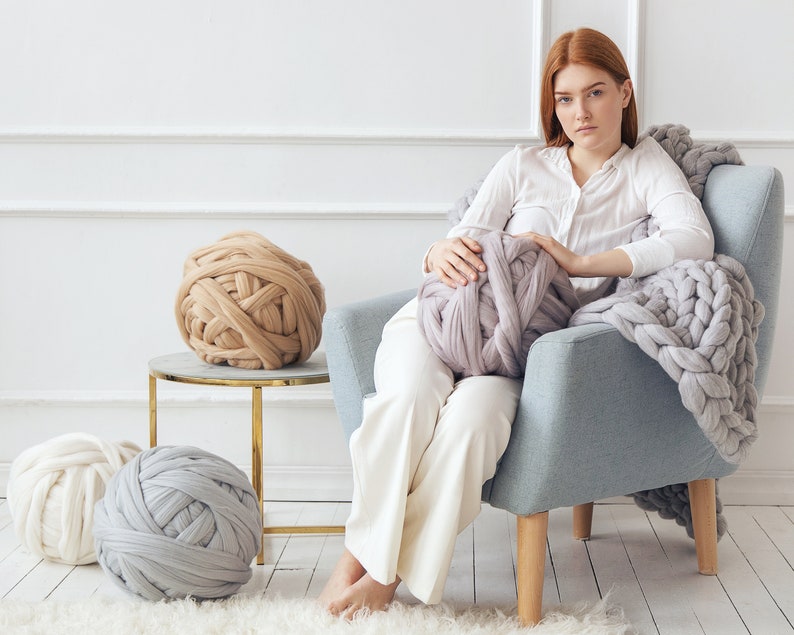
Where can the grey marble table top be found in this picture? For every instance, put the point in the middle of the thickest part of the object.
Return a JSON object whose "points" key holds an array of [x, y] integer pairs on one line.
{"points": [[186, 367]]}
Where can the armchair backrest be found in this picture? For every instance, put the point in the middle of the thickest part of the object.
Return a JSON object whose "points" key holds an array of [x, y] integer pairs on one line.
{"points": [[745, 207]]}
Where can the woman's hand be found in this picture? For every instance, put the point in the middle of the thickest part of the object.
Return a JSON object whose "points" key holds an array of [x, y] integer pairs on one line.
{"points": [[455, 260], [614, 262], [564, 257]]}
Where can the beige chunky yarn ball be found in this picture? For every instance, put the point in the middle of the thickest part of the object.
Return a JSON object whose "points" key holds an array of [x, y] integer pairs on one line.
{"points": [[246, 302], [53, 488]]}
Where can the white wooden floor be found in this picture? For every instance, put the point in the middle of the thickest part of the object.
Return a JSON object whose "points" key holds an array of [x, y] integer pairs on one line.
{"points": [[648, 564]]}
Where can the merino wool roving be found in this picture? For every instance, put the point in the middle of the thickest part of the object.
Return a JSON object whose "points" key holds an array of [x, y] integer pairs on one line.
{"points": [[178, 521], [52, 490], [486, 327], [249, 303]]}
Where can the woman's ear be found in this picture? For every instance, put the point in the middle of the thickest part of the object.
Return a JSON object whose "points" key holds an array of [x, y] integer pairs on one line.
{"points": [[627, 89]]}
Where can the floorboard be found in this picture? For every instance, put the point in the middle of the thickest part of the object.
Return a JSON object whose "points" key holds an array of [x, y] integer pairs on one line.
{"points": [[576, 580], [614, 571], [460, 583], [705, 595], [494, 578], [768, 600], [646, 564], [655, 575]]}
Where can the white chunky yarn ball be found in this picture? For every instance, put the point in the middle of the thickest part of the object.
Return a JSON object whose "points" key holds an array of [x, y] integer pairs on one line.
{"points": [[53, 488]]}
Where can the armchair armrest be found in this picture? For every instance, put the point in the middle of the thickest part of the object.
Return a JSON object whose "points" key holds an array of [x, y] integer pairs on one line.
{"points": [[352, 334], [595, 412]]}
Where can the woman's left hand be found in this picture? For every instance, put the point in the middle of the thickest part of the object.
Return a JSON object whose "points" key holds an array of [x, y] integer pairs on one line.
{"points": [[564, 257]]}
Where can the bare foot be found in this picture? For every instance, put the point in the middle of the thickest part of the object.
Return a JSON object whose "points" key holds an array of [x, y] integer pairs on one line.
{"points": [[364, 594], [347, 572]]}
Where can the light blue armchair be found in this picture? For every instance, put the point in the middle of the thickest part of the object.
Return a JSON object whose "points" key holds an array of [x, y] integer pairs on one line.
{"points": [[587, 430]]}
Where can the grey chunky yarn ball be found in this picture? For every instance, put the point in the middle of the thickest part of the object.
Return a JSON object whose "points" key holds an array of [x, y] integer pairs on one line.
{"points": [[486, 327], [177, 522]]}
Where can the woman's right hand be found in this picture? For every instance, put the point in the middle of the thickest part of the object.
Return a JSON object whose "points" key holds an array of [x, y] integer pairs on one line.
{"points": [[455, 260]]}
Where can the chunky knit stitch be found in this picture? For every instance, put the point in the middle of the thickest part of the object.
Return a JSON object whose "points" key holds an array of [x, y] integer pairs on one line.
{"points": [[699, 320]]}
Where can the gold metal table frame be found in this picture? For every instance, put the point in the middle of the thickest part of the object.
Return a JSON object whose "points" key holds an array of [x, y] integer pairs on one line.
{"points": [[187, 368]]}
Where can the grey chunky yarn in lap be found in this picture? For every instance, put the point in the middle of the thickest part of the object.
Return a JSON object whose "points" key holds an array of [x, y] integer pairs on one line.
{"points": [[486, 327], [177, 522]]}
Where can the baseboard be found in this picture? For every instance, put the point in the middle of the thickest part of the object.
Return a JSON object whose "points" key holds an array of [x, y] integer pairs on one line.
{"points": [[330, 483], [750, 487], [286, 483], [758, 487], [307, 483]]}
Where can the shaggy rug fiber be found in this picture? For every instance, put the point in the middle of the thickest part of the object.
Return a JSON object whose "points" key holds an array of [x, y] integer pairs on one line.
{"points": [[245, 614]]}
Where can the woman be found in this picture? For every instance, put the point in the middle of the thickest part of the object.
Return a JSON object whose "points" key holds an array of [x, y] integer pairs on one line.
{"points": [[428, 442]]}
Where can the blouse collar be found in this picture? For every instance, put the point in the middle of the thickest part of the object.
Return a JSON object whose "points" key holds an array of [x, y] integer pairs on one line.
{"points": [[559, 156]]}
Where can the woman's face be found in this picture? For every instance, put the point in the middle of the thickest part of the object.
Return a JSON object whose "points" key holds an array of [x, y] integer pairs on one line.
{"points": [[589, 104]]}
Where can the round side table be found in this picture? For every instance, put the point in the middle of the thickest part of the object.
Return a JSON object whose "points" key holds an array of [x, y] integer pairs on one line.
{"points": [[187, 368]]}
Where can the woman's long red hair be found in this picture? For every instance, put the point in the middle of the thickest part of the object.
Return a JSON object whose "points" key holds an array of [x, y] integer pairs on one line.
{"points": [[592, 48]]}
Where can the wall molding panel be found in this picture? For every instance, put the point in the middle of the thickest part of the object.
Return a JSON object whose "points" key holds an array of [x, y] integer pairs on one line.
{"points": [[747, 139], [318, 396], [541, 27], [422, 137], [122, 210], [635, 54], [315, 396], [342, 133], [252, 136]]}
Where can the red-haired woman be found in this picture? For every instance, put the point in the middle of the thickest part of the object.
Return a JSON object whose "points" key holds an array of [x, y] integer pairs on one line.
{"points": [[428, 440]]}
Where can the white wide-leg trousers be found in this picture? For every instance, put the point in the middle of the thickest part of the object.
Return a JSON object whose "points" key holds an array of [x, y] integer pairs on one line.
{"points": [[424, 449]]}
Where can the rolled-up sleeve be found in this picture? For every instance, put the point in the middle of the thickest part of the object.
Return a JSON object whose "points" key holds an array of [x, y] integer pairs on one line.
{"points": [[680, 227]]}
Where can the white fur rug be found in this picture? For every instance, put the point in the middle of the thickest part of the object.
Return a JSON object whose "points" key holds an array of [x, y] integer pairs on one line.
{"points": [[244, 614]]}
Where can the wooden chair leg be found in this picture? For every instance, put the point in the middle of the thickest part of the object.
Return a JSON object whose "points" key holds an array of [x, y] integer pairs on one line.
{"points": [[531, 531], [703, 504], [582, 521]]}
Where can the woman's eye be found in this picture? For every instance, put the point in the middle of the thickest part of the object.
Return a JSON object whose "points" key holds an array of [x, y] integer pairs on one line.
{"points": [[563, 100], [596, 92]]}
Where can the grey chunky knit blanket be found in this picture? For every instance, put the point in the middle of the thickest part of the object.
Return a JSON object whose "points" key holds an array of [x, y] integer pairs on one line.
{"points": [[698, 319]]}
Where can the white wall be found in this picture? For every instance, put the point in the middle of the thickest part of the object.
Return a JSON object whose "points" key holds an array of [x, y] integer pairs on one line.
{"points": [[132, 133]]}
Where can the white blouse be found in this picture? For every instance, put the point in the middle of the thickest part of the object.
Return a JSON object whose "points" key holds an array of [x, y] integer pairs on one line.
{"points": [[532, 189]]}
